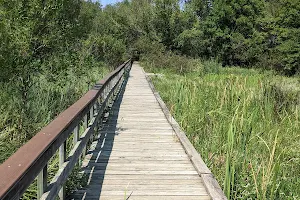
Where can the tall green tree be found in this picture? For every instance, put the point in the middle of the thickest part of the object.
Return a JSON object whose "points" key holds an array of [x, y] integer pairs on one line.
{"points": [[288, 36], [233, 30], [167, 20]]}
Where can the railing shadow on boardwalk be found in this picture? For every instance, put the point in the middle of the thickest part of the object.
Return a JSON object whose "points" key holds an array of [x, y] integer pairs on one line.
{"points": [[94, 171]]}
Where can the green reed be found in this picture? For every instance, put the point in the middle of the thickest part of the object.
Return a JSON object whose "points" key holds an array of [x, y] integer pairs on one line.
{"points": [[243, 123]]}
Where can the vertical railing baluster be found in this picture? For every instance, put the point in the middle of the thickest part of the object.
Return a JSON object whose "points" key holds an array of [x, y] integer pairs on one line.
{"points": [[91, 113], [62, 159], [85, 125], [116, 88], [105, 92], [97, 109], [42, 182], [76, 135], [85, 122], [111, 85], [91, 117], [104, 97]]}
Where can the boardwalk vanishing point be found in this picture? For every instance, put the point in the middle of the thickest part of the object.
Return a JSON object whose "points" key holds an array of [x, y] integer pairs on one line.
{"points": [[139, 153]]}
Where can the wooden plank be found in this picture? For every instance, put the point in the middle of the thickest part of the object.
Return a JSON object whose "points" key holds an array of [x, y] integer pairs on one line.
{"points": [[142, 197], [127, 177], [134, 137], [141, 128], [143, 132], [145, 182], [131, 158], [145, 192], [137, 137], [156, 187], [159, 150], [153, 166], [148, 114], [138, 126], [140, 123], [140, 172], [141, 146], [138, 148], [123, 162], [138, 168], [141, 140], [138, 153]]}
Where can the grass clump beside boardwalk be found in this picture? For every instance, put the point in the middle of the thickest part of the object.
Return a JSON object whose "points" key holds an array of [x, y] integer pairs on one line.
{"points": [[245, 124]]}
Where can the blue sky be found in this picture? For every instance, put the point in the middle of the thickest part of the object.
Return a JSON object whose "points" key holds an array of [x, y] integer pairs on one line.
{"points": [[105, 2]]}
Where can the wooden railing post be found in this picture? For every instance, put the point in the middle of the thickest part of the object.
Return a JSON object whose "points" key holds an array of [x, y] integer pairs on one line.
{"points": [[62, 159], [85, 122], [42, 182], [54, 137], [96, 112], [85, 125], [99, 122], [91, 117], [76, 137], [76, 134]]}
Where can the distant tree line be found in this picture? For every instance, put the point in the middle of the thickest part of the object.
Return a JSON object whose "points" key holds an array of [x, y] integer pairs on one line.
{"points": [[55, 35], [250, 33]]}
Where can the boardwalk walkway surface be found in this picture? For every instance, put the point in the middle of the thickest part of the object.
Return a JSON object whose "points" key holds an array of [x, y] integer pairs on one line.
{"points": [[138, 156]]}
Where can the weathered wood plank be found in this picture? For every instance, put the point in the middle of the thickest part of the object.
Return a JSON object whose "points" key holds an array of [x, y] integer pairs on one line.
{"points": [[137, 187], [145, 182], [139, 172], [138, 152], [144, 192], [127, 177], [136, 197], [140, 161], [138, 168], [146, 151], [139, 148], [151, 166]]}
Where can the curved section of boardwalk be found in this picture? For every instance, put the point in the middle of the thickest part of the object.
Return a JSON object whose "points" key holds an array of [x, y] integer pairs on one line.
{"points": [[138, 156]]}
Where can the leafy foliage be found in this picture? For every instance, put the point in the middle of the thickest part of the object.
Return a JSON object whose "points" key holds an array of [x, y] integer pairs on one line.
{"points": [[245, 33], [52, 51]]}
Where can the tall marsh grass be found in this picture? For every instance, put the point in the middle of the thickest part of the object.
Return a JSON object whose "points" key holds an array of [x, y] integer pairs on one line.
{"points": [[46, 99], [244, 123]]}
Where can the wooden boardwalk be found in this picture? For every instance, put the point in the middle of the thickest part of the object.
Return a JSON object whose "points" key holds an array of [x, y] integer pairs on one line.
{"points": [[138, 156]]}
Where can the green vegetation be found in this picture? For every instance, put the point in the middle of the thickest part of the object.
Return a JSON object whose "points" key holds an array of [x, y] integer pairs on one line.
{"points": [[243, 121], [245, 124], [50, 54], [252, 33]]}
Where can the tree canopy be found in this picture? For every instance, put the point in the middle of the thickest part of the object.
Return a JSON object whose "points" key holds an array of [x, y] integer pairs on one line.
{"points": [[249, 33]]}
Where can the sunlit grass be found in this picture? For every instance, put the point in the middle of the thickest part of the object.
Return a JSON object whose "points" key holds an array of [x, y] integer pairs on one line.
{"points": [[243, 122]]}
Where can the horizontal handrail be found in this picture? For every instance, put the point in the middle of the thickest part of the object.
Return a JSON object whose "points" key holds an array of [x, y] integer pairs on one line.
{"points": [[30, 161]]}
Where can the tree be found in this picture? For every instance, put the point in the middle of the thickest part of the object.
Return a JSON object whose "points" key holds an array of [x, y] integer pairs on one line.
{"points": [[166, 20], [232, 29], [288, 36]]}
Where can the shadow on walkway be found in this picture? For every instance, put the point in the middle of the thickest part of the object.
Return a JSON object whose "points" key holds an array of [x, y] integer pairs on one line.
{"points": [[96, 160]]}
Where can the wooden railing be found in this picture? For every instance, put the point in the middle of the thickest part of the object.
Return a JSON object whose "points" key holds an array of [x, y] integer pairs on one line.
{"points": [[31, 160]]}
